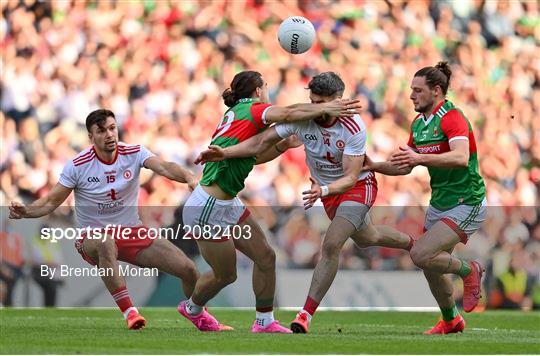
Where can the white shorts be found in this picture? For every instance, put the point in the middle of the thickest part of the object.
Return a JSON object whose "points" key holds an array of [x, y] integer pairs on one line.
{"points": [[465, 220], [203, 212]]}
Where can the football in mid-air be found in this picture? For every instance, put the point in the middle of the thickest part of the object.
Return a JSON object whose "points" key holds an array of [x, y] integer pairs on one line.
{"points": [[296, 34]]}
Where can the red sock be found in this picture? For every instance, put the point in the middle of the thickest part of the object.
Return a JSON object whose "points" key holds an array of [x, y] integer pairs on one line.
{"points": [[311, 306], [121, 297]]}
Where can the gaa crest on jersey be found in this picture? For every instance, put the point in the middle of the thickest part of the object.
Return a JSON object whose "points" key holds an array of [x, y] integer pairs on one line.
{"points": [[435, 131], [128, 175], [340, 144]]}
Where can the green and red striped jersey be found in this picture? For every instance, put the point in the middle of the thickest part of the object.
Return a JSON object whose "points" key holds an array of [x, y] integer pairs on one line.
{"points": [[239, 123], [450, 186]]}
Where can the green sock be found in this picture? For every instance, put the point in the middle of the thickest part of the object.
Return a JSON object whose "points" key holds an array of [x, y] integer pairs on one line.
{"points": [[464, 269], [449, 313]]}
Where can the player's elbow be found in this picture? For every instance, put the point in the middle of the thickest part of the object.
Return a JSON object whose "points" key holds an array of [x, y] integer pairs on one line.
{"points": [[165, 169]]}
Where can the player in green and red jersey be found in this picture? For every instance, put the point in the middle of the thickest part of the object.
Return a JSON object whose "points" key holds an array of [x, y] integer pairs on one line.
{"points": [[442, 139], [217, 218]]}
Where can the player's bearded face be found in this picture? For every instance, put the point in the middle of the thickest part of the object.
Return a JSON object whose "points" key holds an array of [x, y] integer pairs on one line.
{"points": [[421, 95], [104, 136], [319, 99]]}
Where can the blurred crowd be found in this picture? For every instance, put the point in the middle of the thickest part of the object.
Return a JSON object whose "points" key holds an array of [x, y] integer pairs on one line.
{"points": [[161, 66]]}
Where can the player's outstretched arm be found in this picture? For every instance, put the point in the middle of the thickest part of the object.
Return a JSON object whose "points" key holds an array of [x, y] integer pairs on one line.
{"points": [[42, 206], [352, 166], [386, 168], [171, 170], [251, 147], [457, 157], [303, 112], [278, 149]]}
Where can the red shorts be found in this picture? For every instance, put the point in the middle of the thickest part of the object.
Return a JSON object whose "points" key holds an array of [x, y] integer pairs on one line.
{"points": [[364, 191], [128, 245]]}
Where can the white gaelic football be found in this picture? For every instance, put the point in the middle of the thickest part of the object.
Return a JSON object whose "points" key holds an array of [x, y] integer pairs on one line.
{"points": [[296, 34]]}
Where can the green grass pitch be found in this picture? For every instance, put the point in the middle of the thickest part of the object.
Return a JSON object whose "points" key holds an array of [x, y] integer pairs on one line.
{"points": [[102, 331]]}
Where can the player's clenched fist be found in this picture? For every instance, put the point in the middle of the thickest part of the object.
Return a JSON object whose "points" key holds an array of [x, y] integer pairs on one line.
{"points": [[17, 210]]}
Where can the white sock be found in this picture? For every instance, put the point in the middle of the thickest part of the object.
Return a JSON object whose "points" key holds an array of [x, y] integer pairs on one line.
{"points": [[264, 319], [309, 316], [192, 308], [126, 313]]}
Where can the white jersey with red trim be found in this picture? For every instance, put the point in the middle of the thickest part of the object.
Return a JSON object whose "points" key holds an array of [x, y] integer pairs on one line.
{"points": [[325, 146], [106, 193]]}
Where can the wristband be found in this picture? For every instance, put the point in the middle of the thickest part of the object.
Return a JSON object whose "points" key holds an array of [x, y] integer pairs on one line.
{"points": [[324, 190]]}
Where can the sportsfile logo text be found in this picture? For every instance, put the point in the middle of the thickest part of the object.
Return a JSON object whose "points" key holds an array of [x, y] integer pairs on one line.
{"points": [[118, 232]]}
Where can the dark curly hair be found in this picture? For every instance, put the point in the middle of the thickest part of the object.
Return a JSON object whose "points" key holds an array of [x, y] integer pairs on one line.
{"points": [[242, 86], [438, 75], [98, 117], [327, 84]]}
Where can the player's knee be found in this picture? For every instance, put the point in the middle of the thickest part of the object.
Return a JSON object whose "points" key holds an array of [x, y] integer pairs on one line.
{"points": [[189, 271], [106, 250], [419, 257], [226, 279], [331, 249]]}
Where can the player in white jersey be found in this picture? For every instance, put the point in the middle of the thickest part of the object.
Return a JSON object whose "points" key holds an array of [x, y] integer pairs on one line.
{"points": [[335, 150], [105, 179]]}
